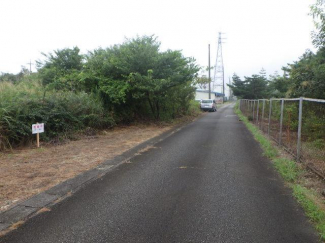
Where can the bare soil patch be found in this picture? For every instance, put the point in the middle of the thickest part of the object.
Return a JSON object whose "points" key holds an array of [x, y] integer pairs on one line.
{"points": [[28, 171]]}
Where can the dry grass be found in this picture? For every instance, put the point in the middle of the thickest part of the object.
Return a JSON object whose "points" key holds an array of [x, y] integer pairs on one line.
{"points": [[12, 227], [26, 172], [43, 210], [17, 225]]}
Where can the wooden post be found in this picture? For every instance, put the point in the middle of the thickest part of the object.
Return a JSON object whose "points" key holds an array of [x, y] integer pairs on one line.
{"points": [[37, 138]]}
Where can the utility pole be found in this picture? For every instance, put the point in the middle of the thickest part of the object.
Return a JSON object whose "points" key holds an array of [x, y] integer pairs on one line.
{"points": [[30, 66], [230, 93], [209, 75], [223, 84], [219, 77]]}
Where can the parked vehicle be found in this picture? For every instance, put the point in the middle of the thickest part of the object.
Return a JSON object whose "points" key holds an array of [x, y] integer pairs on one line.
{"points": [[208, 105]]}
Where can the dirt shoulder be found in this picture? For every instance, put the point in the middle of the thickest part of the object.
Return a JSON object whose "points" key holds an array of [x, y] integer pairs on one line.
{"points": [[29, 171]]}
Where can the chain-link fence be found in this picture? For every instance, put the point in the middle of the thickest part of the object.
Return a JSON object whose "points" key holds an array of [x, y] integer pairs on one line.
{"points": [[297, 124]]}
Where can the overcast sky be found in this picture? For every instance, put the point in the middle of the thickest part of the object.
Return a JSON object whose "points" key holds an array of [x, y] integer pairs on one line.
{"points": [[260, 33]]}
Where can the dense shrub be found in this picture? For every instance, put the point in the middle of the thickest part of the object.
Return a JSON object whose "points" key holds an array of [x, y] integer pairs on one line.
{"points": [[131, 81], [62, 112]]}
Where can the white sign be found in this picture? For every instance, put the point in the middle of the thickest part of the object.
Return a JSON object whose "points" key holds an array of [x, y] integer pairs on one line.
{"points": [[38, 128]]}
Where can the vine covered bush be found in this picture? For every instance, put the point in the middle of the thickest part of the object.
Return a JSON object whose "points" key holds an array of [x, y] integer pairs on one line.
{"points": [[62, 112]]}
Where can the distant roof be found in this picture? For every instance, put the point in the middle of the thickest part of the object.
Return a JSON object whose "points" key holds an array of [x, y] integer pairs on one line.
{"points": [[207, 91]]}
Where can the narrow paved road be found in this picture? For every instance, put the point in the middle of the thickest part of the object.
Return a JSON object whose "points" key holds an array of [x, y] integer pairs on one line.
{"points": [[207, 182]]}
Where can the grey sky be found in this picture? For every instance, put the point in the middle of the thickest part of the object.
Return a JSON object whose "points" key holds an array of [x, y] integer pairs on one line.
{"points": [[260, 33]]}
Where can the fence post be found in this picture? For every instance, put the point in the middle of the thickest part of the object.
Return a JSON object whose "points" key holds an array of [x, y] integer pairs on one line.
{"points": [[258, 106], [242, 106], [253, 110], [263, 114], [270, 112], [249, 108], [281, 120], [245, 107], [299, 129]]}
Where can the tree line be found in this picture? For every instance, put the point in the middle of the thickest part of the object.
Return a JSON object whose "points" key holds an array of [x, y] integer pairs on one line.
{"points": [[302, 78], [131, 81], [134, 77]]}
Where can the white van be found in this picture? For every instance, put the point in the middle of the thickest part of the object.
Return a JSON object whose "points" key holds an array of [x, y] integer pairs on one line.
{"points": [[208, 105]]}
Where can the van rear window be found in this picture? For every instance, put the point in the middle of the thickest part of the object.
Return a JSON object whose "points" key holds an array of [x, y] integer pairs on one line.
{"points": [[207, 101]]}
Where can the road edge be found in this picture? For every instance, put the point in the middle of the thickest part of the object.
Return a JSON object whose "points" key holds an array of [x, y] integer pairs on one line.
{"points": [[16, 215], [290, 171]]}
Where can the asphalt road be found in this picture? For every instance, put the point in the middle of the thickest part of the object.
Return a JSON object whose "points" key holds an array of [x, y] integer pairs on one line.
{"points": [[207, 182]]}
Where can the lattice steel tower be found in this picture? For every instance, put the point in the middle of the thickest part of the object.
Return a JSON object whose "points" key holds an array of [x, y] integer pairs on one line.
{"points": [[219, 76]]}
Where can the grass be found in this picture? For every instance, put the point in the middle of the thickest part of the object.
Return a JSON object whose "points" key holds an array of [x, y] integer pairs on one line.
{"points": [[268, 148], [291, 173], [287, 168], [307, 199]]}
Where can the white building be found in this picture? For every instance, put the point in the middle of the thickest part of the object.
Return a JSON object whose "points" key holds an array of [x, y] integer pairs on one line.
{"points": [[201, 94]]}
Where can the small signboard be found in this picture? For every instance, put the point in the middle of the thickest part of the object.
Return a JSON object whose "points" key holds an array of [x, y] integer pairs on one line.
{"points": [[38, 128]]}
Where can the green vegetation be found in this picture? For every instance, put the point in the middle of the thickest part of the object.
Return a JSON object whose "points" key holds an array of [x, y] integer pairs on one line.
{"points": [[317, 11], [308, 201], [254, 87], [126, 82], [287, 168], [302, 78], [62, 112], [135, 79], [194, 108], [313, 118], [269, 150], [291, 173]]}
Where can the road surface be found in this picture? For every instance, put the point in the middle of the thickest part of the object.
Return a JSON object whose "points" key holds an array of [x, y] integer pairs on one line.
{"points": [[207, 182]]}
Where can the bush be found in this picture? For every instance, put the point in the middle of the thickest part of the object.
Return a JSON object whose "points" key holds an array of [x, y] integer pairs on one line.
{"points": [[194, 108], [62, 112]]}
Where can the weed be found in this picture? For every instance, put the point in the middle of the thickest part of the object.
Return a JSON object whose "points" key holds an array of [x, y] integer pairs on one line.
{"points": [[269, 150], [307, 200], [290, 173], [63, 112], [287, 168]]}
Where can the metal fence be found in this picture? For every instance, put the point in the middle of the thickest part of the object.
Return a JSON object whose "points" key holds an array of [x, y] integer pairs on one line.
{"points": [[296, 124]]}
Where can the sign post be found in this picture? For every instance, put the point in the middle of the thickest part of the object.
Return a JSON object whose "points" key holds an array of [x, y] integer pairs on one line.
{"points": [[37, 129]]}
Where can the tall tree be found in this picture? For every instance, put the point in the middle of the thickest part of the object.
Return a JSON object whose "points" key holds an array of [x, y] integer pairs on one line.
{"points": [[238, 86], [256, 87], [278, 85], [318, 13], [306, 77], [137, 75], [61, 69], [202, 82]]}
